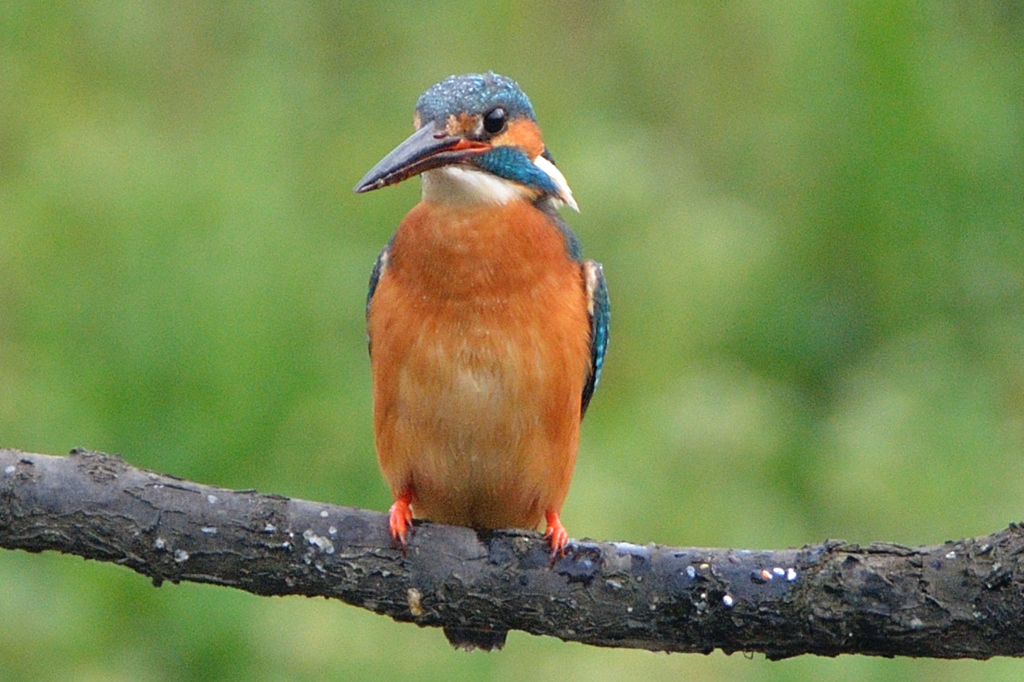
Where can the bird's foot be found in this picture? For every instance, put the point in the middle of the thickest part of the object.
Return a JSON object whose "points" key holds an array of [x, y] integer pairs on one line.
{"points": [[555, 534], [400, 521]]}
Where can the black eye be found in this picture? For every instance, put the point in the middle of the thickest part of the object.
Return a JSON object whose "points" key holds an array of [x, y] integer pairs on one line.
{"points": [[494, 120]]}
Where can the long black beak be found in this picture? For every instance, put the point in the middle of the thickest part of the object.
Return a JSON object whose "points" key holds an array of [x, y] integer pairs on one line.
{"points": [[429, 147]]}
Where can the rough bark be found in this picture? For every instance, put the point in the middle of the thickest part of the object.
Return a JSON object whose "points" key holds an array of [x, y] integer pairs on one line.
{"points": [[961, 599]]}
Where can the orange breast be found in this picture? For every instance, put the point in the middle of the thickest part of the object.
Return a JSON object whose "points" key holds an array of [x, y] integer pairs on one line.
{"points": [[480, 350]]}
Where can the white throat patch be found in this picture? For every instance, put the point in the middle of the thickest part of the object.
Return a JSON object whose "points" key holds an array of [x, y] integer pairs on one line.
{"points": [[461, 185], [464, 185]]}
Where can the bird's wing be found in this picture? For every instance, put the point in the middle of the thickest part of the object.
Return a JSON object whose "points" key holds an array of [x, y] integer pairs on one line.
{"points": [[599, 312], [378, 270]]}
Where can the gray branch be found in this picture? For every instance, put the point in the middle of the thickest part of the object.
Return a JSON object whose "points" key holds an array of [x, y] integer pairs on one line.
{"points": [[961, 599]]}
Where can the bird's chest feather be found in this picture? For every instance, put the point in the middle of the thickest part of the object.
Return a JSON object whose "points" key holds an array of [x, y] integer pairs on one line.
{"points": [[478, 326]]}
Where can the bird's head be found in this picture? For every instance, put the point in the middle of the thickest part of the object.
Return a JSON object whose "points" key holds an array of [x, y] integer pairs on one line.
{"points": [[476, 141]]}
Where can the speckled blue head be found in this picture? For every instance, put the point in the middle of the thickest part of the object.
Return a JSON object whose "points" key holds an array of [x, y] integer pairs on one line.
{"points": [[475, 93], [476, 122]]}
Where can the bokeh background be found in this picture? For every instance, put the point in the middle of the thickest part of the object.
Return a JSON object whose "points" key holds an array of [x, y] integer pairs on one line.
{"points": [[810, 216]]}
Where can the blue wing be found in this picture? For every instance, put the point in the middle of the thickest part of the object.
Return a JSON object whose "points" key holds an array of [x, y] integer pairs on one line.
{"points": [[378, 269], [599, 312]]}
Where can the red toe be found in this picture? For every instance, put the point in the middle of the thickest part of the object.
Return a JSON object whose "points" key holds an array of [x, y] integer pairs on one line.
{"points": [[556, 533], [400, 520]]}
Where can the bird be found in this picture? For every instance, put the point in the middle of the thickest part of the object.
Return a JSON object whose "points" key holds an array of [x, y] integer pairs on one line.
{"points": [[487, 330]]}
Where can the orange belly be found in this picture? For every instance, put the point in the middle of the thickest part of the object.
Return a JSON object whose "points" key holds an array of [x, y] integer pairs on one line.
{"points": [[480, 350]]}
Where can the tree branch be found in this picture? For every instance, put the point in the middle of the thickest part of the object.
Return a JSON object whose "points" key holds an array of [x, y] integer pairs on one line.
{"points": [[957, 600]]}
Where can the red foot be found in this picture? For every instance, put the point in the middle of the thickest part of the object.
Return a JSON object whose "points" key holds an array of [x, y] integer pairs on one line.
{"points": [[400, 520], [556, 534]]}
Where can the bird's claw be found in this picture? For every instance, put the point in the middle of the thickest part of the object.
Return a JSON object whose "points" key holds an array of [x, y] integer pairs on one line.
{"points": [[400, 521], [556, 535]]}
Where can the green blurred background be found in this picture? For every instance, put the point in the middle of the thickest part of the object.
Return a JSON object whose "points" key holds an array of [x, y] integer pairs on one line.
{"points": [[810, 216]]}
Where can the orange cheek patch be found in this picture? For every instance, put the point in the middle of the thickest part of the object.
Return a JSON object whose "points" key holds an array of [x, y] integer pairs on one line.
{"points": [[522, 133]]}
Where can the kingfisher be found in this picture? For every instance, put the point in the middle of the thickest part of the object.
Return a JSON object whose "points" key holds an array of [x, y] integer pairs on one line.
{"points": [[487, 329]]}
